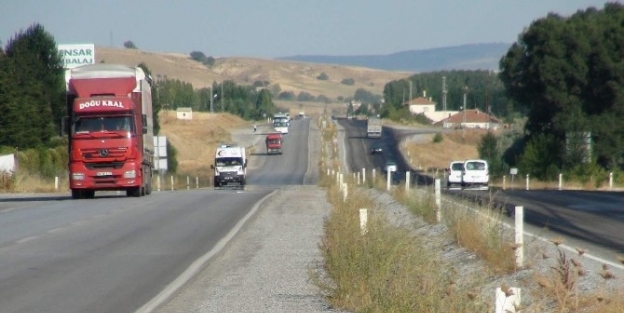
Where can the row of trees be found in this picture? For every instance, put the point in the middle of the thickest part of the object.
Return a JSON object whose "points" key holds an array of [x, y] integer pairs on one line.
{"points": [[244, 101], [484, 91]]}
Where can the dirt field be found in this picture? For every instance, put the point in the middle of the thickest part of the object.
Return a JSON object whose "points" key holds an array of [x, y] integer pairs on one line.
{"points": [[426, 154]]}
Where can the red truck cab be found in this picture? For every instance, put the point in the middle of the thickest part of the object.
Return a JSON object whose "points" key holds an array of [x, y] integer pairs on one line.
{"points": [[274, 143], [110, 130]]}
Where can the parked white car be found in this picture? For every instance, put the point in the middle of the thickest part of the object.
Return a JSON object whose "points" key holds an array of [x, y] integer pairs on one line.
{"points": [[454, 173], [475, 172]]}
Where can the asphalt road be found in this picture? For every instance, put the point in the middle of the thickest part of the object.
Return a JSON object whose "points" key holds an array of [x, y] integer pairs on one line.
{"points": [[114, 253], [589, 219]]}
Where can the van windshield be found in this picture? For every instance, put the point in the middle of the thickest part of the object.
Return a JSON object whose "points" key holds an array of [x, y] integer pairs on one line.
{"points": [[457, 166], [229, 161], [475, 166]]}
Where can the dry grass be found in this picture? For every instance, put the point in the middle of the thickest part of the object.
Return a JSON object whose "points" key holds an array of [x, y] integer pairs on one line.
{"points": [[388, 269], [291, 76], [427, 155]]}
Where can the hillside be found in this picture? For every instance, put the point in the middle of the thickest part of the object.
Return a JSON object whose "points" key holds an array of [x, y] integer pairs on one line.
{"points": [[464, 57], [290, 75]]}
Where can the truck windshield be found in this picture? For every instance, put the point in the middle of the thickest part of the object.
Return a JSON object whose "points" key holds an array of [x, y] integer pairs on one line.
{"points": [[99, 124], [229, 161]]}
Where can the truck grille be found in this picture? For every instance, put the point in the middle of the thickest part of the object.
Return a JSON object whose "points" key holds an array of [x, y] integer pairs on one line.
{"points": [[103, 165], [103, 154]]}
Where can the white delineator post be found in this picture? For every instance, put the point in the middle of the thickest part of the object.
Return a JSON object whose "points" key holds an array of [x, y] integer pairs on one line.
{"points": [[504, 182], [158, 182], [363, 175], [527, 181], [388, 177], [507, 300], [345, 192], [438, 199], [373, 175], [363, 220], [196, 182], [56, 183], [611, 180], [560, 181], [407, 180], [519, 234], [171, 182], [188, 183]]}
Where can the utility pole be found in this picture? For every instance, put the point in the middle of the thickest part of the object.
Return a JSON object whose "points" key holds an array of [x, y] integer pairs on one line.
{"points": [[464, 113], [211, 97], [444, 93], [410, 93]]}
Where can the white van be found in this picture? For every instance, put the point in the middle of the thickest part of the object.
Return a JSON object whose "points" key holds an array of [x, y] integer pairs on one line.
{"points": [[230, 166], [454, 174], [475, 172]]}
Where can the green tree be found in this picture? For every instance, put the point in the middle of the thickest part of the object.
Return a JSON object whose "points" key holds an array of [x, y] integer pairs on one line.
{"points": [[488, 150], [129, 45], [35, 107], [322, 76], [348, 81], [567, 73], [264, 105]]}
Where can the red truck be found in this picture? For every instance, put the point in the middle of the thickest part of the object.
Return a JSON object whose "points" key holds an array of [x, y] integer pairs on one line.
{"points": [[110, 130], [274, 143]]}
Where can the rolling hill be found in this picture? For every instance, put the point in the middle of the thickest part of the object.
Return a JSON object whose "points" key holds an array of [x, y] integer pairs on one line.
{"points": [[465, 57], [289, 75]]}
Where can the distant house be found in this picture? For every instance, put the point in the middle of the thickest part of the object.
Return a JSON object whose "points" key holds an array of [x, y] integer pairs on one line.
{"points": [[471, 119], [422, 105], [184, 113]]}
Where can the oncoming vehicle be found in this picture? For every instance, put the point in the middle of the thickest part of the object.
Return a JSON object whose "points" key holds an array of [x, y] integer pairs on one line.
{"points": [[475, 173], [454, 174], [274, 143], [280, 126], [230, 166]]}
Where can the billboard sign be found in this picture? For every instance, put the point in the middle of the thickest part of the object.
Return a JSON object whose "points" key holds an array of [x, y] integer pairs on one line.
{"points": [[77, 54]]}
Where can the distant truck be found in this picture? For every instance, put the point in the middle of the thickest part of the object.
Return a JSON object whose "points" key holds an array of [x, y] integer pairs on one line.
{"points": [[274, 143], [373, 127], [230, 166], [110, 130], [281, 122]]}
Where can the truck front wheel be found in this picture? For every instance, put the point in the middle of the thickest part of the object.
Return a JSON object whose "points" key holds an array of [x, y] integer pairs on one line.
{"points": [[134, 192]]}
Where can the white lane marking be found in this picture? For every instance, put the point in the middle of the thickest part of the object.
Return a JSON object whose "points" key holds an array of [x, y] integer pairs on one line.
{"points": [[26, 239]]}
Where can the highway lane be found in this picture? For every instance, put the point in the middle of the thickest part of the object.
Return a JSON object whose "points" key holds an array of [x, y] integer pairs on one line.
{"points": [[585, 218], [114, 253]]}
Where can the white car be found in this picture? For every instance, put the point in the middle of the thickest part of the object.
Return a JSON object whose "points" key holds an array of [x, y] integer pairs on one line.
{"points": [[454, 173], [475, 172]]}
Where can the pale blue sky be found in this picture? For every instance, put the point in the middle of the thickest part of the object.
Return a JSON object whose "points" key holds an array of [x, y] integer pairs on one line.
{"points": [[276, 28]]}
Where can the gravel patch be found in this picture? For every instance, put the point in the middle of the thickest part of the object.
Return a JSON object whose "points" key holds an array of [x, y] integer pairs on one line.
{"points": [[267, 266]]}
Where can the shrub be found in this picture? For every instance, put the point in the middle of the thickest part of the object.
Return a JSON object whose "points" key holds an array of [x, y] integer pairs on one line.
{"points": [[348, 81], [322, 76], [437, 138]]}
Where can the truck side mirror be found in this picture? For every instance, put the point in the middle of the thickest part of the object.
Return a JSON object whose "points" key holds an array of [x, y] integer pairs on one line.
{"points": [[65, 125], [144, 124]]}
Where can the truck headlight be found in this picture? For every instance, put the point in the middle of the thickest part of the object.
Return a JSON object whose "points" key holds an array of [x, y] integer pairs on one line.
{"points": [[78, 176], [130, 174], [216, 172]]}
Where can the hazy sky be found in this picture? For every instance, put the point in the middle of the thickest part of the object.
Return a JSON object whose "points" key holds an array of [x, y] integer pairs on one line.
{"points": [[275, 28]]}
